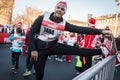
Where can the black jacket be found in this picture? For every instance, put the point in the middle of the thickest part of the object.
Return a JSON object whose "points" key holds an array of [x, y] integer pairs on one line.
{"points": [[38, 44]]}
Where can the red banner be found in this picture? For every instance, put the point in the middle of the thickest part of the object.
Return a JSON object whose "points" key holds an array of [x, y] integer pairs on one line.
{"points": [[4, 38]]}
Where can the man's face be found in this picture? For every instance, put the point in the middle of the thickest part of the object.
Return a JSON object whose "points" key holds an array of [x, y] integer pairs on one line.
{"points": [[59, 11]]}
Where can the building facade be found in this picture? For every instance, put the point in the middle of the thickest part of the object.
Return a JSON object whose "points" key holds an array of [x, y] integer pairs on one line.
{"points": [[112, 21]]}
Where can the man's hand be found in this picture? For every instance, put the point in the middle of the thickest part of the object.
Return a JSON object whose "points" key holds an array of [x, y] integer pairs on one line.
{"points": [[34, 54]]}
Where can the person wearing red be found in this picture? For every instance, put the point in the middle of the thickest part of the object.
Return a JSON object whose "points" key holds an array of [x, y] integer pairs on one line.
{"points": [[60, 40], [27, 42], [88, 40], [117, 40], [71, 40], [29, 59], [107, 42], [117, 60], [80, 40]]}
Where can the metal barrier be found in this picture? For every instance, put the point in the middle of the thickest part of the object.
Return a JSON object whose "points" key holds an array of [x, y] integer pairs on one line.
{"points": [[103, 70]]}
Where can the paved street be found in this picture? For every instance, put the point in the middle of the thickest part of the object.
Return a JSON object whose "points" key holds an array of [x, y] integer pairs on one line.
{"points": [[54, 70]]}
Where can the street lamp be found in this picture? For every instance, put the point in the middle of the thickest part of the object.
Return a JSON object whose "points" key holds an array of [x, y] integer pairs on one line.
{"points": [[117, 13]]}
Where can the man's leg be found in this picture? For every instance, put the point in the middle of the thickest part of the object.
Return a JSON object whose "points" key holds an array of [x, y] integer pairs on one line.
{"points": [[40, 65], [62, 49], [28, 57]]}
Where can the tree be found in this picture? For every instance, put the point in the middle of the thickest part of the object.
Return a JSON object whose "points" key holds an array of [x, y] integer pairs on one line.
{"points": [[28, 15], [6, 6]]}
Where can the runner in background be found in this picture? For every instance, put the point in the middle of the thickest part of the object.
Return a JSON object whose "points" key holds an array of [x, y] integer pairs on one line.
{"points": [[29, 59], [17, 43], [88, 40], [71, 40]]}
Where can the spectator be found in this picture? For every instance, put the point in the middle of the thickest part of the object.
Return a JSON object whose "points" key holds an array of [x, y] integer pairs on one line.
{"points": [[17, 42]]}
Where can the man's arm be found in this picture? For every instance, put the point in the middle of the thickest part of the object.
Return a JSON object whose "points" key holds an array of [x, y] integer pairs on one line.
{"points": [[33, 31], [84, 30]]}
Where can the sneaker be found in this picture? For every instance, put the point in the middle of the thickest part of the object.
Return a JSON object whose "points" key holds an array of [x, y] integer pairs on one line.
{"points": [[27, 73]]}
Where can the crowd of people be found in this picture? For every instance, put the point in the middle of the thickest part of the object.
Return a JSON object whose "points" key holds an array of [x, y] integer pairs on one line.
{"points": [[50, 35]]}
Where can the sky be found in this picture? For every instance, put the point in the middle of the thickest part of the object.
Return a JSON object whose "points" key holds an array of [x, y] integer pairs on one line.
{"points": [[76, 9]]}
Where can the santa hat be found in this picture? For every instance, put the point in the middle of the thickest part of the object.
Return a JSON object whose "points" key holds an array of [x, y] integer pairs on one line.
{"points": [[62, 3], [99, 42], [107, 28], [92, 21], [19, 23]]}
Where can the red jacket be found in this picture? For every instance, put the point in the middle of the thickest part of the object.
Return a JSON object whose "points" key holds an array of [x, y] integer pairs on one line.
{"points": [[26, 39], [88, 39]]}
